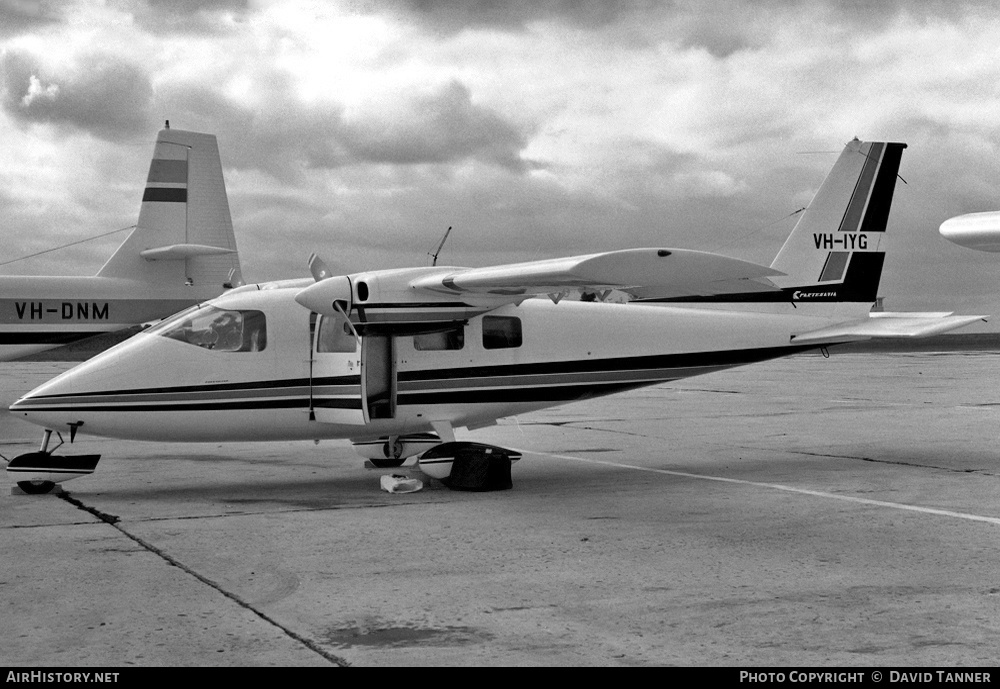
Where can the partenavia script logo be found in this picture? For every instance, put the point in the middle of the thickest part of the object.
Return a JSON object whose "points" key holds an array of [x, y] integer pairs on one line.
{"points": [[799, 294]]}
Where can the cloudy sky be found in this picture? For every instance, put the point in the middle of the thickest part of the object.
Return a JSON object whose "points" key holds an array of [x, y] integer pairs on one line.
{"points": [[362, 129]]}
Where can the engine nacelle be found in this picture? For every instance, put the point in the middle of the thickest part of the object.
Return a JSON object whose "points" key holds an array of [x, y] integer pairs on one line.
{"points": [[386, 298]]}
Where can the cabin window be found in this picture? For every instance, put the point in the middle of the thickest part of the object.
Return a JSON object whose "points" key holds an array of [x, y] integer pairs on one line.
{"points": [[453, 338], [221, 330], [335, 335], [501, 332]]}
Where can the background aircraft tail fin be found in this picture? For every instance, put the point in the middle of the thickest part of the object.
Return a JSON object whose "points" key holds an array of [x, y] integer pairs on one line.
{"points": [[184, 235]]}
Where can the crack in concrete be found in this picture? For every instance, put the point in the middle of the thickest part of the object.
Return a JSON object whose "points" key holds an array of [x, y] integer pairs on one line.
{"points": [[892, 461], [577, 424], [114, 522], [224, 515]]}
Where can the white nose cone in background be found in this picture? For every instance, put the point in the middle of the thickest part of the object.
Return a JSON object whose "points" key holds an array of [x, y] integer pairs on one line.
{"points": [[979, 231]]}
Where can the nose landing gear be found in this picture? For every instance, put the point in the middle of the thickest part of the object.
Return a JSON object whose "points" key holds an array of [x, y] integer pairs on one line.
{"points": [[38, 472]]}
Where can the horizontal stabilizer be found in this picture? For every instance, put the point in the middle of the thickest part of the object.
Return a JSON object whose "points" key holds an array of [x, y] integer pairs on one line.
{"points": [[624, 270], [888, 325], [176, 252]]}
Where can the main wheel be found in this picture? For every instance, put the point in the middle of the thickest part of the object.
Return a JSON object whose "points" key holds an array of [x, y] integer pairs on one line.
{"points": [[36, 487], [388, 463], [392, 452]]}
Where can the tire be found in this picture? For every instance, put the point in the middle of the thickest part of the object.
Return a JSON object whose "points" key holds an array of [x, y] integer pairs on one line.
{"points": [[392, 452], [387, 462], [39, 488]]}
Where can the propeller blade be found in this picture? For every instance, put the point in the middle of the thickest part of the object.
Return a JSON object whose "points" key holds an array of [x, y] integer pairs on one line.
{"points": [[318, 268], [339, 306]]}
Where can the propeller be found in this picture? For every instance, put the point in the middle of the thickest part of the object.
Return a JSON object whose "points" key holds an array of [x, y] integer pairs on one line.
{"points": [[318, 268], [330, 295]]}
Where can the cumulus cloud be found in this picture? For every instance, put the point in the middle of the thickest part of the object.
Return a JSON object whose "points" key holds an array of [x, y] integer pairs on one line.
{"points": [[21, 16], [186, 16], [515, 15], [436, 127], [100, 93]]}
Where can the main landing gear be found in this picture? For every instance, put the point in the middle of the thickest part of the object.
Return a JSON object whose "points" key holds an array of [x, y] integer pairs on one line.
{"points": [[458, 465], [390, 452], [38, 472], [470, 466]]}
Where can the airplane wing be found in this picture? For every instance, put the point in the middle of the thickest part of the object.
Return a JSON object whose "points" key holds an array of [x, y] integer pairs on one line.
{"points": [[647, 270], [414, 299], [883, 325]]}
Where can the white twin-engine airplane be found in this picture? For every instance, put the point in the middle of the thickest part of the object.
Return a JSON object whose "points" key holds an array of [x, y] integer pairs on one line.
{"points": [[181, 252], [396, 360]]}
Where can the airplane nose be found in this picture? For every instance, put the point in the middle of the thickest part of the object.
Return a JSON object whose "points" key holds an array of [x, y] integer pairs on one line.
{"points": [[63, 402], [46, 405]]}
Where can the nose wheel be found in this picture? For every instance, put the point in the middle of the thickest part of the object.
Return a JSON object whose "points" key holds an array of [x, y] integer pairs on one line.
{"points": [[37, 473], [36, 487]]}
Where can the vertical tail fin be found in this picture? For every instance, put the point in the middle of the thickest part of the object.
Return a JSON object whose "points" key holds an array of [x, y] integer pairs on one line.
{"points": [[185, 233], [836, 250], [833, 257]]}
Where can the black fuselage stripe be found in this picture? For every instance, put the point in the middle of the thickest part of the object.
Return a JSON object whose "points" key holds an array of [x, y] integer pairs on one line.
{"points": [[657, 362], [662, 362], [492, 396], [223, 387], [483, 381], [48, 338], [47, 470]]}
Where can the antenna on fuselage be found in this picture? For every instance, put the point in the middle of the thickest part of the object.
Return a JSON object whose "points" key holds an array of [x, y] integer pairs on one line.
{"points": [[443, 240]]}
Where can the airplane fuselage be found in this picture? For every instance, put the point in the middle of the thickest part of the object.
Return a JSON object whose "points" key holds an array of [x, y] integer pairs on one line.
{"points": [[182, 251], [39, 313], [294, 382]]}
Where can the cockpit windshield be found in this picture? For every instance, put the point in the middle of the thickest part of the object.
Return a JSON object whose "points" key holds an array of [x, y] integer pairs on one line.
{"points": [[221, 330]]}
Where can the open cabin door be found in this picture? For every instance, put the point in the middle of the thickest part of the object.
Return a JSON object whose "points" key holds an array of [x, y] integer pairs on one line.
{"points": [[351, 382], [335, 380], [378, 383]]}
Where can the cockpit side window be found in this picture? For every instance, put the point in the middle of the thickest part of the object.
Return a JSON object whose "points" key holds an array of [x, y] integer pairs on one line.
{"points": [[335, 335], [220, 330], [452, 338]]}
